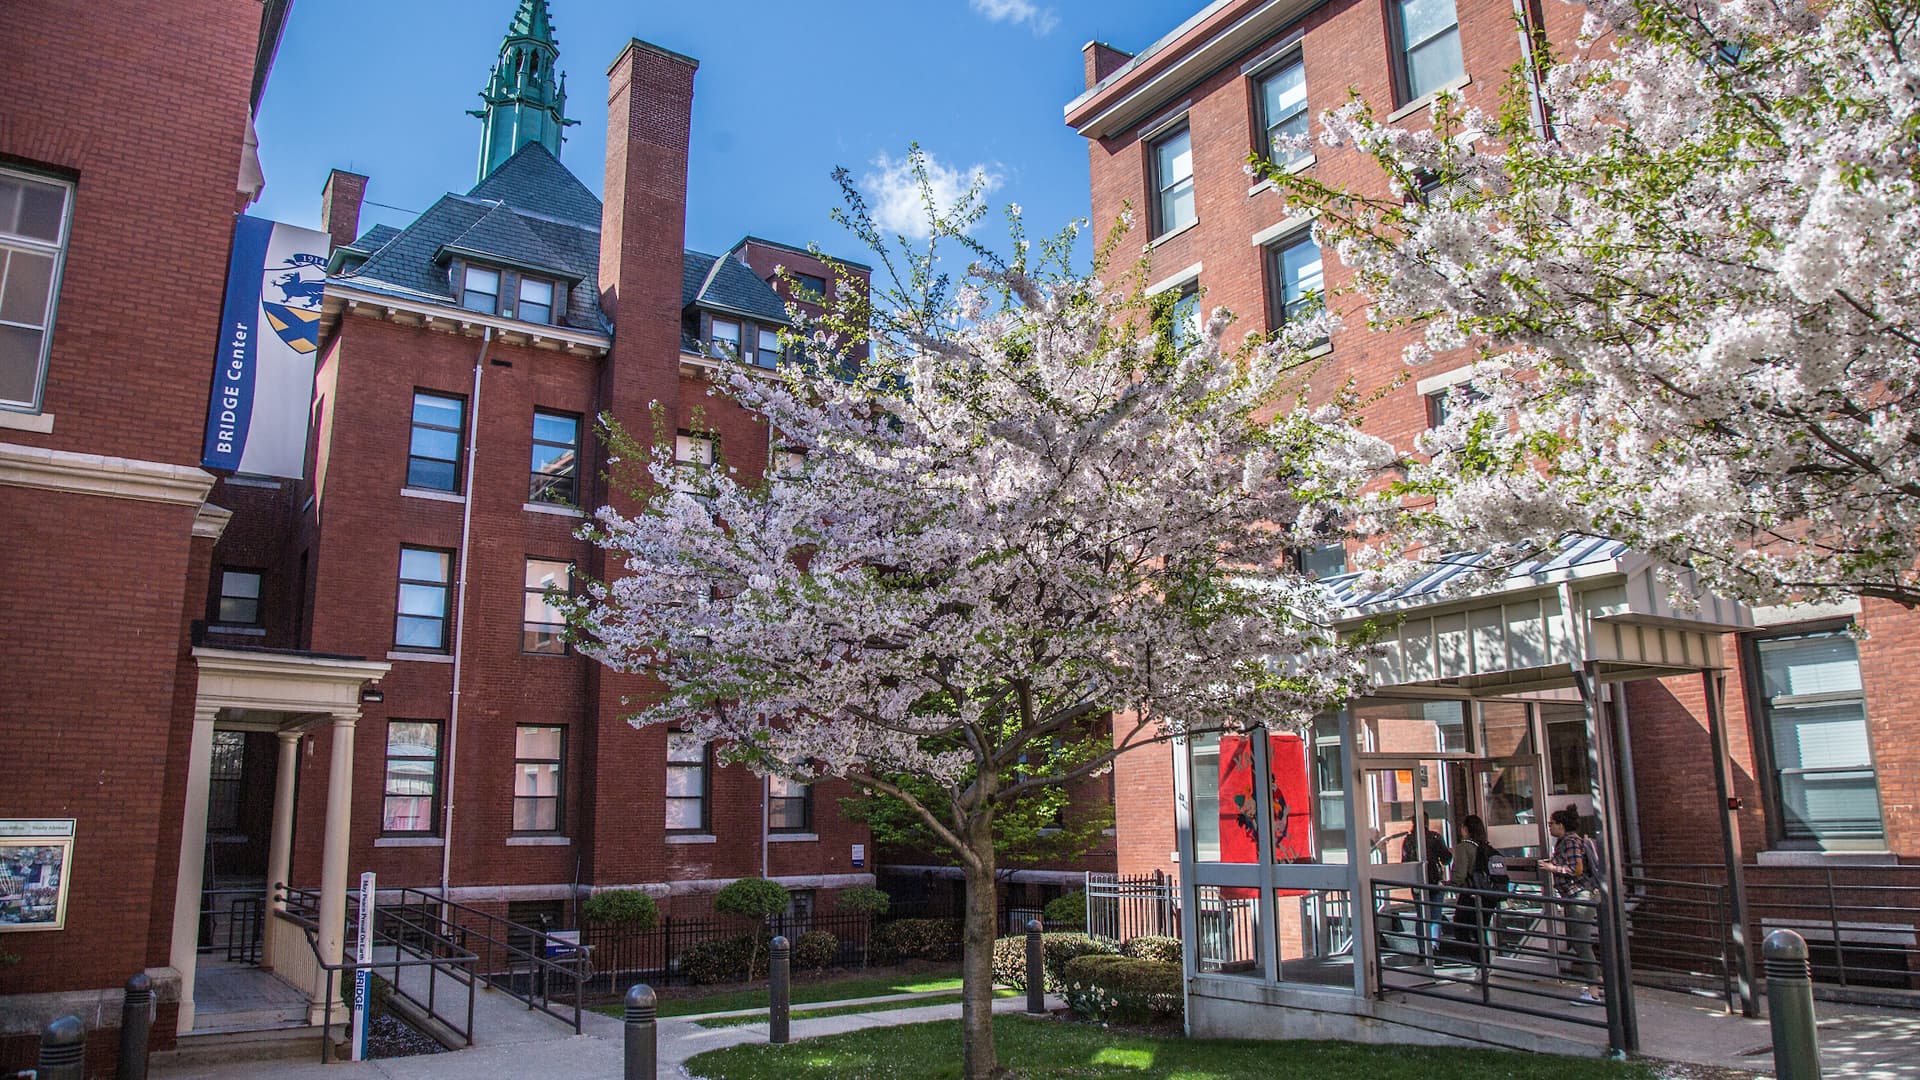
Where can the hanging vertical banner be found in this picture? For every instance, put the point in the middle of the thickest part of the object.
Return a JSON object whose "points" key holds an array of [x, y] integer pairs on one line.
{"points": [[363, 976], [269, 332]]}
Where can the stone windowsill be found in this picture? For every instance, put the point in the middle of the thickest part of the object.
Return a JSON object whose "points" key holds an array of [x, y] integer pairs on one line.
{"points": [[422, 657], [792, 837], [1425, 100], [692, 838], [408, 841], [39, 423], [434, 496], [538, 841], [555, 509], [1810, 857], [1181, 231]]}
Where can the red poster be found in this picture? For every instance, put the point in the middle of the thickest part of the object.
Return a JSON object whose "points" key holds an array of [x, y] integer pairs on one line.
{"points": [[1291, 804]]}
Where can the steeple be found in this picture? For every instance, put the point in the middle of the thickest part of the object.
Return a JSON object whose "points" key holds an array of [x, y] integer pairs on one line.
{"points": [[526, 97]]}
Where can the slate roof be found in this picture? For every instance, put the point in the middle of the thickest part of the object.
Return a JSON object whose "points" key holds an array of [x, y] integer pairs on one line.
{"points": [[531, 213]]}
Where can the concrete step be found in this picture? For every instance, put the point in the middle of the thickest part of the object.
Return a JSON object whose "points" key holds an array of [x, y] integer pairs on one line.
{"points": [[219, 1046]]}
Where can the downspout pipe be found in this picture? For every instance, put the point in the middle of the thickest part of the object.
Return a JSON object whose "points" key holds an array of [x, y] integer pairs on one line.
{"points": [[1528, 23], [460, 625]]}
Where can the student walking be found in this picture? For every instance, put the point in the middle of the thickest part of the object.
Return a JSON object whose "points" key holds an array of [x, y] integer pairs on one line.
{"points": [[1576, 876]]}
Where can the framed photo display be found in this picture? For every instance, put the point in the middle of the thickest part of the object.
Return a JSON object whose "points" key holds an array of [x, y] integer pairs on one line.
{"points": [[36, 855]]}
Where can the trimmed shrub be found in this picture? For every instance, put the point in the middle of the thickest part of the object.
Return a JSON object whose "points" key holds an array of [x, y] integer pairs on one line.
{"points": [[1056, 950], [1068, 911], [862, 900], [727, 959], [1165, 950], [754, 898], [814, 950], [915, 939], [628, 908], [1122, 989]]}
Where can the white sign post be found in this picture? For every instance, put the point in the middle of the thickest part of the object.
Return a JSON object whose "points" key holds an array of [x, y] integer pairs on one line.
{"points": [[363, 977]]}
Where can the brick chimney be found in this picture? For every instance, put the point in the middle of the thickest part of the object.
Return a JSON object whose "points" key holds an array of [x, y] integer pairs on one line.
{"points": [[643, 227], [1102, 60], [340, 206]]}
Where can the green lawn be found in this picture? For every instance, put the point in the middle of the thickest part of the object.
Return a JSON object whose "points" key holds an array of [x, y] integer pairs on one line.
{"points": [[841, 989], [1033, 1049]]}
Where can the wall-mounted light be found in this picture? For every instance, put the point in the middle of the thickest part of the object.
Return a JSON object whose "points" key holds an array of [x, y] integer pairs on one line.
{"points": [[372, 695]]}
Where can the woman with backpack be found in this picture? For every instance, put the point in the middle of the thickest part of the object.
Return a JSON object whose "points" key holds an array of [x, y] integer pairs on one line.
{"points": [[1576, 876], [1473, 863]]}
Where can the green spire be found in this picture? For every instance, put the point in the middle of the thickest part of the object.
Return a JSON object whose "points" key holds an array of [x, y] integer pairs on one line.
{"points": [[526, 97]]}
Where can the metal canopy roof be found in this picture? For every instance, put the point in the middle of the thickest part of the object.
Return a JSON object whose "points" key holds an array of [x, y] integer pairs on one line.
{"points": [[1468, 628]]}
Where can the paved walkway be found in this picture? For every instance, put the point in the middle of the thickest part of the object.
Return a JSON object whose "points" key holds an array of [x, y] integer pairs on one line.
{"points": [[510, 1041]]}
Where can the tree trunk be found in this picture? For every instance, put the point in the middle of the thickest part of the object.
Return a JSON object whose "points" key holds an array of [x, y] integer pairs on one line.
{"points": [[978, 1061]]}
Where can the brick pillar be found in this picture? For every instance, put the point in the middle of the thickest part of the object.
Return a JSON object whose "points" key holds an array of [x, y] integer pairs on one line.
{"points": [[642, 238], [340, 201]]}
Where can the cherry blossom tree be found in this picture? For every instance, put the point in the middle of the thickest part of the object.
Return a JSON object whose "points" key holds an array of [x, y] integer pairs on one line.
{"points": [[1027, 514], [1687, 272]]}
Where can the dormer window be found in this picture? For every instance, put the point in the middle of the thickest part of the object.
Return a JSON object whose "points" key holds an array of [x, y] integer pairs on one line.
{"points": [[724, 340], [768, 354], [481, 290], [536, 301]]}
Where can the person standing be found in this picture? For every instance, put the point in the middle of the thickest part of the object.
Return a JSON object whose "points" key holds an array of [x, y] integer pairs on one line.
{"points": [[1576, 876]]}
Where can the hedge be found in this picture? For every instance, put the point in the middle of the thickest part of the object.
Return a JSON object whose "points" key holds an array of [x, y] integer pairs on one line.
{"points": [[1166, 950], [1056, 950], [1122, 989], [629, 908], [723, 960], [1068, 911], [814, 950], [915, 939], [862, 900]]}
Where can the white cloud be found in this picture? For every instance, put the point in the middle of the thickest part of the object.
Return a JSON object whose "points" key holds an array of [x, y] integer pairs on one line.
{"points": [[1041, 20], [894, 195]]}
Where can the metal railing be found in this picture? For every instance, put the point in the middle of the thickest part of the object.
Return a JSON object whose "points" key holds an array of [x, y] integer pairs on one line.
{"points": [[622, 955], [230, 923], [547, 970], [1500, 949], [1124, 908], [417, 943], [1677, 929]]}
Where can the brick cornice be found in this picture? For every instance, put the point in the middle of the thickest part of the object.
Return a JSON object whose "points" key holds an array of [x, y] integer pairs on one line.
{"points": [[94, 474]]}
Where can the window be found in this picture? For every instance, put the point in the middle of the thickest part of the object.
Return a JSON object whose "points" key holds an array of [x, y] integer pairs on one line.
{"points": [[789, 805], [1173, 182], [1442, 404], [1428, 33], [538, 753], [798, 918], [692, 455], [421, 622], [433, 453], [789, 464], [1283, 108], [239, 597], [810, 289], [481, 291], [768, 353], [1183, 323], [33, 244], [1325, 560], [724, 340], [556, 459], [543, 628], [536, 301], [413, 777], [687, 762], [1298, 281], [1814, 720], [226, 781]]}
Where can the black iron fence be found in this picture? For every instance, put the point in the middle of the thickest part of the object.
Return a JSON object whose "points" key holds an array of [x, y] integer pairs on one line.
{"points": [[230, 923], [619, 956]]}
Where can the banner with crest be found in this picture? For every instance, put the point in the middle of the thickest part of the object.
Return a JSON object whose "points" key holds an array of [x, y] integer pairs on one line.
{"points": [[262, 393]]}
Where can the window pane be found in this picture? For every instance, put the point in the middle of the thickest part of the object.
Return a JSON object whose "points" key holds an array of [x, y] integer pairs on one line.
{"points": [[1830, 804], [413, 738], [1434, 64], [693, 449], [1301, 278], [532, 778], [436, 410], [552, 428], [423, 600], [535, 313], [536, 814], [685, 746], [240, 583], [31, 209], [414, 632], [1815, 664], [787, 814], [684, 814], [1205, 754], [1176, 206], [685, 782], [29, 279], [1173, 175], [537, 742], [19, 363], [407, 813], [1421, 20], [768, 354], [435, 444], [548, 574], [780, 787], [1327, 560], [1283, 97], [419, 565], [239, 610], [486, 281], [535, 292]]}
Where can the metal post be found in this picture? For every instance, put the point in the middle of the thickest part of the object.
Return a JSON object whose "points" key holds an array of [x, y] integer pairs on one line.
{"points": [[136, 1018], [1796, 1047], [779, 989], [643, 1056], [1036, 970], [63, 1049], [1714, 683]]}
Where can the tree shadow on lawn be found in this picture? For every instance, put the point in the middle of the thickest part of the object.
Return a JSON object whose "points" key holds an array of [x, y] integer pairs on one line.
{"points": [[1055, 1048]]}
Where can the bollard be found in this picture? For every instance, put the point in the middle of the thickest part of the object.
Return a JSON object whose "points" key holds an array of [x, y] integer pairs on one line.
{"points": [[1796, 1047], [779, 989], [63, 1049], [1036, 971], [643, 1047], [136, 1020]]}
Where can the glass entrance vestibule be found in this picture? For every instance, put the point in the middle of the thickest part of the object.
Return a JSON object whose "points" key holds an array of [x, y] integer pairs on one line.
{"points": [[1284, 862]]}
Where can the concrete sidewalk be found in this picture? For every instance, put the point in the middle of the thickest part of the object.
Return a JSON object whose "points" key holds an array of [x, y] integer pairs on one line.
{"points": [[511, 1042]]}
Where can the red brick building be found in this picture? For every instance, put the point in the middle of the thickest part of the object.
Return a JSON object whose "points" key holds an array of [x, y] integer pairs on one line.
{"points": [[361, 669], [122, 163], [1819, 746]]}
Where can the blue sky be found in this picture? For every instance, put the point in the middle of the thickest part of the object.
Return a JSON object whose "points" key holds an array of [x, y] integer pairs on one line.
{"points": [[786, 91]]}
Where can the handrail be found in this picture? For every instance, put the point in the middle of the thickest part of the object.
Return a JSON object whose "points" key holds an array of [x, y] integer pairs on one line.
{"points": [[541, 971], [455, 957]]}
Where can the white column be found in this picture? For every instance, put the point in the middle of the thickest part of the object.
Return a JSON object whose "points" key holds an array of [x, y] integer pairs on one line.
{"points": [[193, 852], [280, 843], [333, 857]]}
